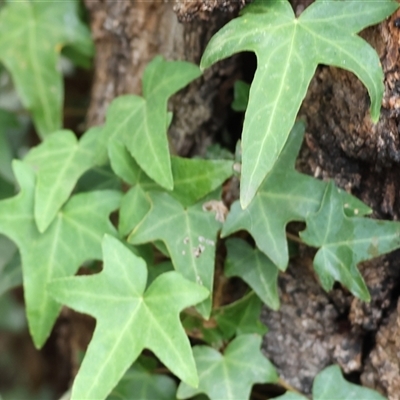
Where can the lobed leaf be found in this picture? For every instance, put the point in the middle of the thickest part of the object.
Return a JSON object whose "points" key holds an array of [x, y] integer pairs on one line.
{"points": [[141, 122], [193, 179], [129, 319], [288, 51], [73, 237], [231, 375], [330, 384], [32, 34], [344, 242], [285, 195], [59, 162], [189, 234]]}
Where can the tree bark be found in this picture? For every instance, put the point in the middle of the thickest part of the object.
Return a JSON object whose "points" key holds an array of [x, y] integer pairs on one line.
{"points": [[312, 329], [128, 34]]}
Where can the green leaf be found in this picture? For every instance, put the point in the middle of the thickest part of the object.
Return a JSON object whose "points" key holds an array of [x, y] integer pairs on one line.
{"points": [[32, 34], [98, 178], [154, 271], [129, 319], [73, 237], [10, 265], [7, 120], [231, 375], [190, 235], [330, 385], [288, 51], [241, 317], [207, 331], [241, 92], [141, 122], [135, 205], [256, 269], [125, 166], [141, 383], [59, 162], [285, 195], [194, 178], [344, 242]]}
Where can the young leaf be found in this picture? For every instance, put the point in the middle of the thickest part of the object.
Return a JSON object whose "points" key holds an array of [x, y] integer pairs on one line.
{"points": [[330, 384], [129, 319], [255, 268], [190, 235], [59, 162], [144, 384], [231, 375], [288, 51], [141, 122], [73, 237], [241, 317], [31, 36], [285, 195], [344, 242]]}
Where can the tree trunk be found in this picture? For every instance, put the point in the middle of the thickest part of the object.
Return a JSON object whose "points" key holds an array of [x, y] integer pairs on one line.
{"points": [[312, 328]]}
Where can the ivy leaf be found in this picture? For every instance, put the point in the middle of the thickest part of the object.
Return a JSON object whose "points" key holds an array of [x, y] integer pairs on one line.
{"points": [[143, 382], [98, 178], [10, 266], [129, 319], [344, 242], [255, 268], [59, 162], [73, 237], [141, 122], [231, 375], [7, 120], [241, 92], [189, 234], [288, 51], [330, 384], [32, 34], [285, 195], [241, 317], [135, 204], [194, 178]]}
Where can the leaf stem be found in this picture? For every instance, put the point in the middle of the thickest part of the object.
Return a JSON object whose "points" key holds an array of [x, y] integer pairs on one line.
{"points": [[289, 387], [294, 238]]}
